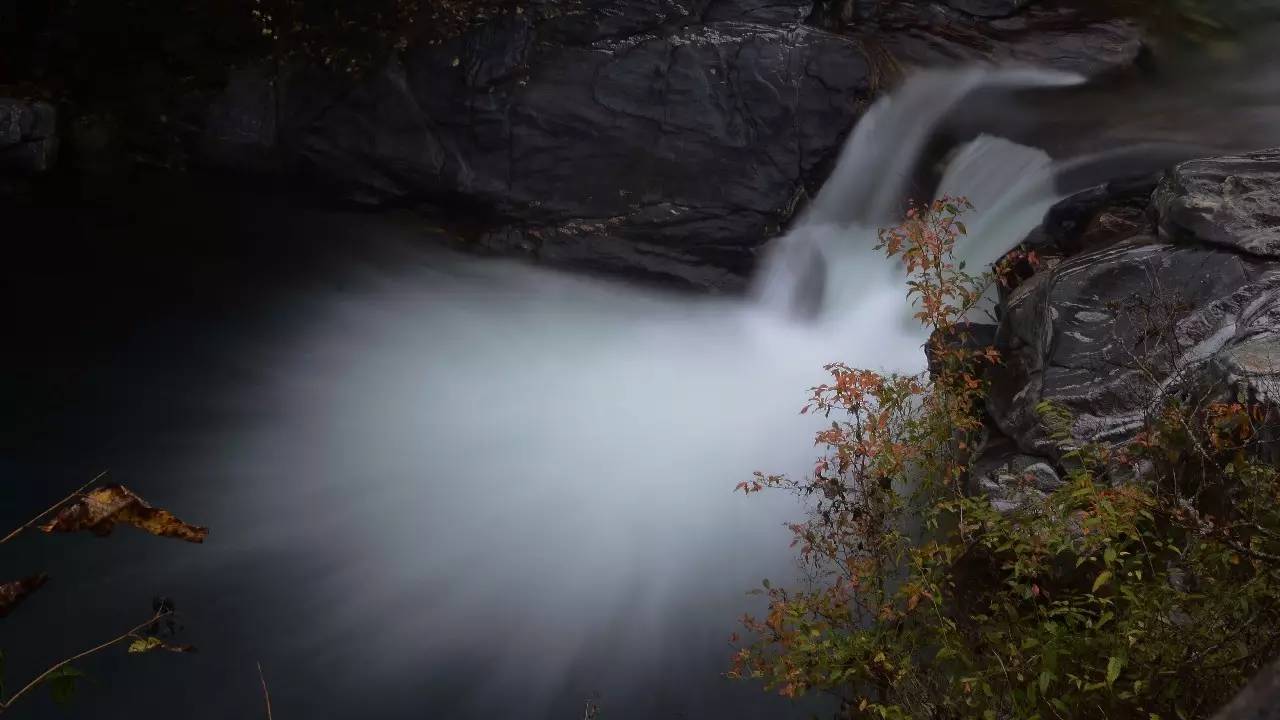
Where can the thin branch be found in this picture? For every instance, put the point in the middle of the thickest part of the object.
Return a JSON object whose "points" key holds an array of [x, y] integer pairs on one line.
{"points": [[116, 640], [53, 507], [265, 694]]}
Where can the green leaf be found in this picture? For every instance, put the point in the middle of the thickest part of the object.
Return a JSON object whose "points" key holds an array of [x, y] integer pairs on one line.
{"points": [[1046, 677], [1102, 579], [765, 583], [1109, 556], [1113, 668], [62, 683], [963, 231]]}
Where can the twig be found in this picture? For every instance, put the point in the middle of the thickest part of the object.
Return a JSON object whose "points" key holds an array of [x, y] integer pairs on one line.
{"points": [[41, 677], [265, 694], [53, 507]]}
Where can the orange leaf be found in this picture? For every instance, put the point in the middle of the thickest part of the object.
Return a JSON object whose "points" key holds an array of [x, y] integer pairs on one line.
{"points": [[100, 509]]}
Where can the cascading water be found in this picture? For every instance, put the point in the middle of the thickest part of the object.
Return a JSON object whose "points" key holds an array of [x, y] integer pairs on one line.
{"points": [[832, 246], [500, 490]]}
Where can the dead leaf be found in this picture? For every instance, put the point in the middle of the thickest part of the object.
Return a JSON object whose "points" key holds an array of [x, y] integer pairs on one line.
{"points": [[100, 509], [146, 644], [151, 642], [13, 593]]}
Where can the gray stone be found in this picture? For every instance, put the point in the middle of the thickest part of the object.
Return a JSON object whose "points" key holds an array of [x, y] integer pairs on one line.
{"points": [[1070, 341], [1009, 478], [1107, 331], [1229, 201]]}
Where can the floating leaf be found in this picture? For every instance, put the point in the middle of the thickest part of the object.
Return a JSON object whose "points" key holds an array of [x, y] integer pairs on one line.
{"points": [[100, 509], [13, 593]]}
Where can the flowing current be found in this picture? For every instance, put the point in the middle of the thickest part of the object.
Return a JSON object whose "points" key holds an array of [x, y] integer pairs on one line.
{"points": [[482, 490]]}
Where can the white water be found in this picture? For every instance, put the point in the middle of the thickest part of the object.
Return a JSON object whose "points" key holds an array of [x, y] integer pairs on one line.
{"points": [[526, 478]]}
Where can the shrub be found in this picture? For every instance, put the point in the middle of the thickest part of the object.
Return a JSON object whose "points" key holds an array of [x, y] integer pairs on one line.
{"points": [[1146, 586]]}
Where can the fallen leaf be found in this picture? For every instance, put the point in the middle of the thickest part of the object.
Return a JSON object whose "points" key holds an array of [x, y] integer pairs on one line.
{"points": [[13, 593], [100, 509]]}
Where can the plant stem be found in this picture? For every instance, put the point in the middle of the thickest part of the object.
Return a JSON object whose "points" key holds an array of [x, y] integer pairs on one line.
{"points": [[265, 694], [51, 508], [40, 678]]}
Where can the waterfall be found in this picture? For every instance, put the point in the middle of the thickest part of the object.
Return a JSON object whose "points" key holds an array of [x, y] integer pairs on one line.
{"points": [[497, 490], [829, 249]]}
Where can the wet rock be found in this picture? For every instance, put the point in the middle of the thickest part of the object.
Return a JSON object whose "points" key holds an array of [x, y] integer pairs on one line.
{"points": [[1105, 332], [1233, 202], [1092, 50], [693, 142], [1058, 39], [1097, 217], [1079, 335], [685, 131], [1009, 478], [28, 137], [989, 8]]}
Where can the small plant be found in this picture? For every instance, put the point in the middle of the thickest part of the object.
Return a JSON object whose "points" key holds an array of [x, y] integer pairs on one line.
{"points": [[98, 510], [1146, 586]]}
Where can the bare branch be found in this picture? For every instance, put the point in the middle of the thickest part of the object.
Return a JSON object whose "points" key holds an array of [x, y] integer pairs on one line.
{"points": [[131, 632], [266, 695], [31, 523]]}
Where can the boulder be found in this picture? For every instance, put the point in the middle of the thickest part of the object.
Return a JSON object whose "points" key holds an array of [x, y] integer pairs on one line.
{"points": [[1233, 202], [1103, 332], [1009, 478], [28, 137], [1094, 218]]}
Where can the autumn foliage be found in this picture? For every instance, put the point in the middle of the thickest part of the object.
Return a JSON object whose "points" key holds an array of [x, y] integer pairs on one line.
{"points": [[1147, 585], [97, 510]]}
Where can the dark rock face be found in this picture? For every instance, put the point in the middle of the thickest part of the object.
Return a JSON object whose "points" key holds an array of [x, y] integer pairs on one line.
{"points": [[611, 144], [989, 8], [1233, 202], [28, 137], [1102, 332]]}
